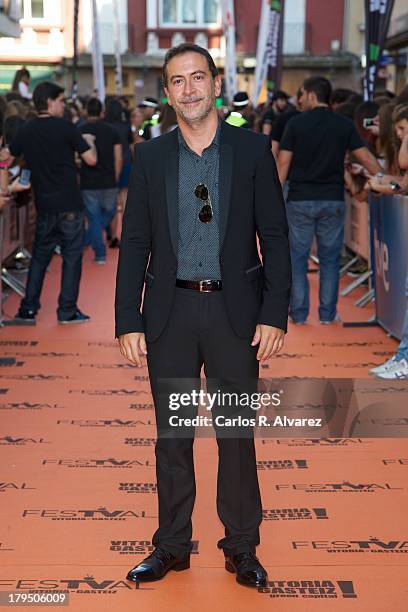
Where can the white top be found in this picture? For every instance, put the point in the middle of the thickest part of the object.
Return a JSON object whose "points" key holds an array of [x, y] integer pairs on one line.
{"points": [[24, 91]]}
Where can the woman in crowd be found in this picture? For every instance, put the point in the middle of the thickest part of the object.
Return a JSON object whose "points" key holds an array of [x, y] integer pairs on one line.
{"points": [[21, 83], [396, 179], [136, 121], [167, 122], [396, 367]]}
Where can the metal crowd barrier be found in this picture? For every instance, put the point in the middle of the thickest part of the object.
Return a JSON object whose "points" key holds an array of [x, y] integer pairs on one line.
{"points": [[17, 226], [357, 239]]}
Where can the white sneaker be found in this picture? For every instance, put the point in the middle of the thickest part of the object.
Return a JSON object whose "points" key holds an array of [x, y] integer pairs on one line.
{"points": [[384, 367], [398, 372], [335, 320]]}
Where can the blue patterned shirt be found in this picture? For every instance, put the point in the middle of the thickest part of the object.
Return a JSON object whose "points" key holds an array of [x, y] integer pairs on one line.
{"points": [[198, 243]]}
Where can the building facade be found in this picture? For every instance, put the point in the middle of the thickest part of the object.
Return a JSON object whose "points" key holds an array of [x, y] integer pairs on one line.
{"points": [[45, 44], [43, 41], [320, 37], [397, 48], [309, 48], [10, 15]]}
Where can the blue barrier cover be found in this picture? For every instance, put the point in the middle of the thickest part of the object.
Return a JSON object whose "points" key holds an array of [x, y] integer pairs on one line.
{"points": [[389, 255]]}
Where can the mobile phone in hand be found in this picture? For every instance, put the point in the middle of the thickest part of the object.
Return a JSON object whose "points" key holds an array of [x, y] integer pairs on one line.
{"points": [[368, 122], [25, 177]]}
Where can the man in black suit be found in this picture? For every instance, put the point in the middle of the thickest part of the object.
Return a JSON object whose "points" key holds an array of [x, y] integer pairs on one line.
{"points": [[198, 197]]}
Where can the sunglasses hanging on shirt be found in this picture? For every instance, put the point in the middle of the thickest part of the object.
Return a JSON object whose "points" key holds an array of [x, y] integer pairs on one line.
{"points": [[206, 213]]}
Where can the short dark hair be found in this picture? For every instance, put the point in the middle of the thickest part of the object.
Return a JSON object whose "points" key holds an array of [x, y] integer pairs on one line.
{"points": [[114, 110], [320, 86], [43, 91], [346, 109], [280, 95], [340, 95], [94, 107], [188, 48]]}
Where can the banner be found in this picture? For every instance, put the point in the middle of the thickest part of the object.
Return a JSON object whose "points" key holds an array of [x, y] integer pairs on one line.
{"points": [[97, 57], [230, 70], [377, 21], [269, 48], [116, 44], [74, 90], [389, 254]]}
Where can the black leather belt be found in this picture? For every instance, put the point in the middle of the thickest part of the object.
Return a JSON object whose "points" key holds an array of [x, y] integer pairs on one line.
{"points": [[204, 286]]}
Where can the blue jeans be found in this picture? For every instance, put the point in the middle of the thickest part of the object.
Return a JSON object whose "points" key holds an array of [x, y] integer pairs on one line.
{"points": [[402, 352], [67, 230], [325, 220], [100, 208]]}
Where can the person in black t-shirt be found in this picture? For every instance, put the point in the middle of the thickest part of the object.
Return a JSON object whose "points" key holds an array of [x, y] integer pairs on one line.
{"points": [[48, 144], [279, 106], [99, 183], [311, 155], [278, 128], [115, 116]]}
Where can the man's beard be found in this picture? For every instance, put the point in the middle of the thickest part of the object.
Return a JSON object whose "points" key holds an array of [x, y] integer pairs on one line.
{"points": [[203, 114]]}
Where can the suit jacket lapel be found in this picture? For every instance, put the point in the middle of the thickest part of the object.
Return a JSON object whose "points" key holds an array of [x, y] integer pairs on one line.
{"points": [[171, 180], [224, 186]]}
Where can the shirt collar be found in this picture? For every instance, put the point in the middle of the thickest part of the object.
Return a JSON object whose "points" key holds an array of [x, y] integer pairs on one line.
{"points": [[215, 142]]}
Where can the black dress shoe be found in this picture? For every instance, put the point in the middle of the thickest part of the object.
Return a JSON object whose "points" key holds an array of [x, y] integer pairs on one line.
{"points": [[248, 569], [156, 566]]}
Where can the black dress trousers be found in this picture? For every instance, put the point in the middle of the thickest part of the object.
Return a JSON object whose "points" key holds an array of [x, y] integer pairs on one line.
{"points": [[198, 332]]}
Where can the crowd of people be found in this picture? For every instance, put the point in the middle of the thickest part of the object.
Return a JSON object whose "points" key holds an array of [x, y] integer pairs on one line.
{"points": [[79, 153]]}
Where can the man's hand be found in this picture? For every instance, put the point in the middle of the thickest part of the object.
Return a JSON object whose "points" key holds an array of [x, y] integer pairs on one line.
{"points": [[382, 184], [270, 340], [283, 164], [133, 346]]}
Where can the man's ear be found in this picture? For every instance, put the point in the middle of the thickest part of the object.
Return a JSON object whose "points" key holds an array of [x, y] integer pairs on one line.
{"points": [[166, 92], [217, 81]]}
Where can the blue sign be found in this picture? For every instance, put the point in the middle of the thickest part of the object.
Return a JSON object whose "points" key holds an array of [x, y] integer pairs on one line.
{"points": [[389, 255]]}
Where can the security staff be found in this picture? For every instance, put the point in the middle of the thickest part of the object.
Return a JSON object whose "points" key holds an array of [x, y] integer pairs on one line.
{"points": [[149, 107], [239, 117]]}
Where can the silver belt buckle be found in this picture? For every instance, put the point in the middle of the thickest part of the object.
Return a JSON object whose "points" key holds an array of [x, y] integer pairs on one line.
{"points": [[202, 284]]}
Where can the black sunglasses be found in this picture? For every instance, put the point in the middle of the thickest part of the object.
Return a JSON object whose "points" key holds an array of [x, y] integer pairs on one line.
{"points": [[206, 213]]}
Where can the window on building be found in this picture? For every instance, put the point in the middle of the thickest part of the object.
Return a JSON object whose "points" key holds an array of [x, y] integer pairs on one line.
{"points": [[210, 11], [169, 11], [37, 9], [190, 12]]}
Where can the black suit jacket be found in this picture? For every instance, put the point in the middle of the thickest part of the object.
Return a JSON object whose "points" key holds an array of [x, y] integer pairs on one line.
{"points": [[250, 203]]}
